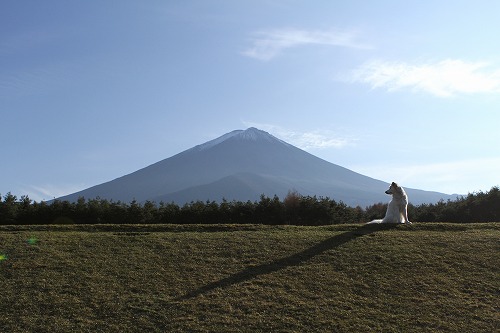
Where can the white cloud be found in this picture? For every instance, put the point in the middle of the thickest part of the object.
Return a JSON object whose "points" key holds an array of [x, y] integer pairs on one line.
{"points": [[455, 177], [49, 192], [317, 139], [443, 79], [268, 44]]}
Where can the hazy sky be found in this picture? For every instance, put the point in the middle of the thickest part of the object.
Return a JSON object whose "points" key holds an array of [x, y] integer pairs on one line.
{"points": [[405, 91]]}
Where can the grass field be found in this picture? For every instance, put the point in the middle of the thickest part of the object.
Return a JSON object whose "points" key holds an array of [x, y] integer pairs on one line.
{"points": [[235, 278]]}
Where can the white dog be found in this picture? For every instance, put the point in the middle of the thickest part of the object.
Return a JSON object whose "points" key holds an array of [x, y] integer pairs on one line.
{"points": [[397, 210]]}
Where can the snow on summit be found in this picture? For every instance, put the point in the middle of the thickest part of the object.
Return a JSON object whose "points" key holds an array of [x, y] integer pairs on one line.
{"points": [[255, 134], [250, 134], [215, 142]]}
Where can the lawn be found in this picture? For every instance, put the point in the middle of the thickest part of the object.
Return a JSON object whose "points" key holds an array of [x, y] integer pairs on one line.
{"points": [[250, 278]]}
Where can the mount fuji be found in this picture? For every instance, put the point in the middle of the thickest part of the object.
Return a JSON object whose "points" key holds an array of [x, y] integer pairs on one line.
{"points": [[242, 165]]}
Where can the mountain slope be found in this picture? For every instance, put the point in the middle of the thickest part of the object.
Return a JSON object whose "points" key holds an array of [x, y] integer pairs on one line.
{"points": [[242, 165]]}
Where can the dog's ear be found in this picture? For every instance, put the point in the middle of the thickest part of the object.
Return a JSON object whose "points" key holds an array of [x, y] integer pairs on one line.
{"points": [[394, 184]]}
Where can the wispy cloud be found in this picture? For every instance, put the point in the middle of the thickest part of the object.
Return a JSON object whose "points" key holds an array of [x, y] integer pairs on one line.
{"points": [[317, 139], [445, 78], [12, 44], [29, 82], [461, 176], [270, 43], [49, 191]]}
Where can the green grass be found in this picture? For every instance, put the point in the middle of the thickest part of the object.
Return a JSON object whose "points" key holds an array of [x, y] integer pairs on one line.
{"points": [[345, 278]]}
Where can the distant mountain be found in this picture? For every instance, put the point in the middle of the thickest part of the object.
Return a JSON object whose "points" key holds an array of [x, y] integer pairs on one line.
{"points": [[242, 165]]}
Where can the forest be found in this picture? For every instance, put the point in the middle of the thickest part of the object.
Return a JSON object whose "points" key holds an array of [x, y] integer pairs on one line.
{"points": [[294, 209]]}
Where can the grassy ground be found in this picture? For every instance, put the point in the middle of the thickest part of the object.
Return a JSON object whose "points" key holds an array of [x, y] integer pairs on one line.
{"points": [[346, 278]]}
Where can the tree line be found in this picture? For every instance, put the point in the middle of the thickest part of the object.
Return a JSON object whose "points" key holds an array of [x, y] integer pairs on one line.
{"points": [[294, 209]]}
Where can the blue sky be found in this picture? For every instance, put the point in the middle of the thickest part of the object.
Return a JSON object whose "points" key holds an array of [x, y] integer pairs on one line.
{"points": [[405, 91]]}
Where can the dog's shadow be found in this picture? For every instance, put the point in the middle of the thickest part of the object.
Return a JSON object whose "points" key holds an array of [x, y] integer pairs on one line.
{"points": [[252, 272]]}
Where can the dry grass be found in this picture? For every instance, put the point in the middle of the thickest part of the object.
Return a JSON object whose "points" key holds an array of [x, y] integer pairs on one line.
{"points": [[346, 278]]}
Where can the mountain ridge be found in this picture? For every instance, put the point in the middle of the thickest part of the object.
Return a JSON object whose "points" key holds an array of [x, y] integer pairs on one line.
{"points": [[242, 165]]}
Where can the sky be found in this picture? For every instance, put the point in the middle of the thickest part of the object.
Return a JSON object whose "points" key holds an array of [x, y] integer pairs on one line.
{"points": [[405, 91]]}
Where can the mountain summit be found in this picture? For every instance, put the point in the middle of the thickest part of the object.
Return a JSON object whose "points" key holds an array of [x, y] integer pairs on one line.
{"points": [[242, 165], [250, 134]]}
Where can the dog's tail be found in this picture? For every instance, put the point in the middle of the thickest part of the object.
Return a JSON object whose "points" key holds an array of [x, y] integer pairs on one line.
{"points": [[374, 221]]}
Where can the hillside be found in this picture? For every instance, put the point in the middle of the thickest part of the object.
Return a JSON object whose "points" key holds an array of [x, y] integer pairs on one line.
{"points": [[159, 278], [242, 165]]}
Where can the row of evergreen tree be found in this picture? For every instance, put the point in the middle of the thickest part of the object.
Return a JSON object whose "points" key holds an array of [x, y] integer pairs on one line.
{"points": [[294, 209]]}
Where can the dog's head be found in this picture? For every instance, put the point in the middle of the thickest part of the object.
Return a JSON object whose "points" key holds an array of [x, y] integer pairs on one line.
{"points": [[392, 189]]}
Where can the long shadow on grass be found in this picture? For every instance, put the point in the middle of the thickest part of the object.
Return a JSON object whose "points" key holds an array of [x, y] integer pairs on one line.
{"points": [[293, 260]]}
